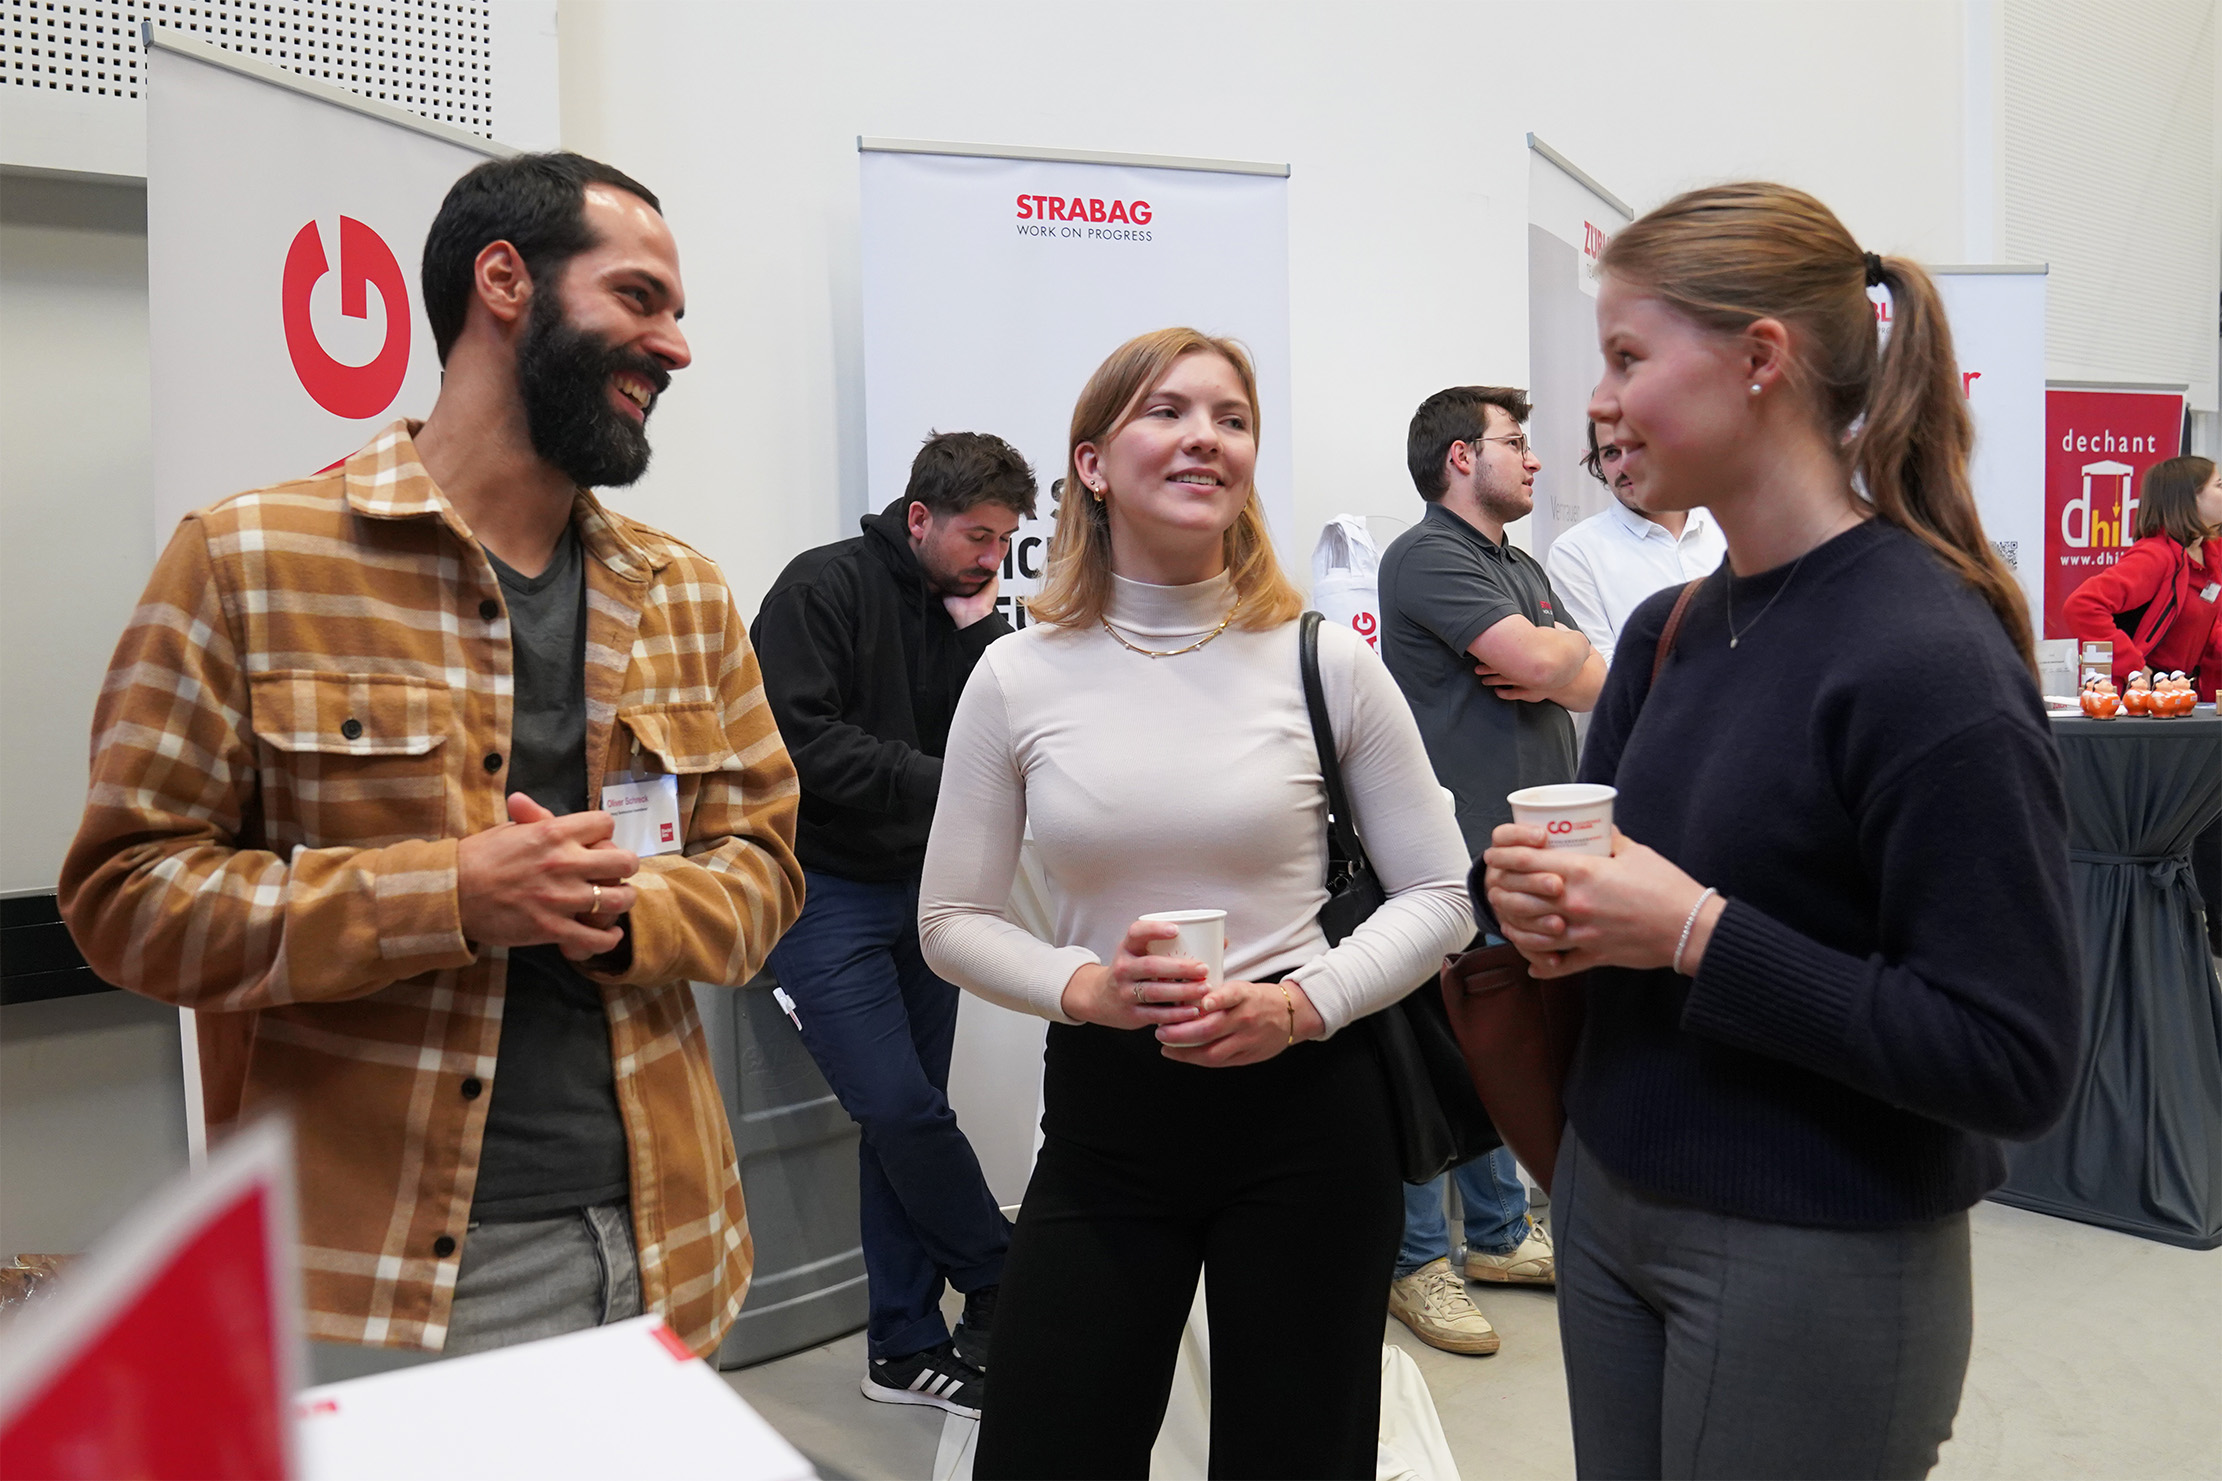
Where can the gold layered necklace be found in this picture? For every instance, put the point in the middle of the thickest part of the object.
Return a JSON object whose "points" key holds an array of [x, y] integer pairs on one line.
{"points": [[1165, 652]]}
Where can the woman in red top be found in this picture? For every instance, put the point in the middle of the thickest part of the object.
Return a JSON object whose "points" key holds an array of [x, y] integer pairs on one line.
{"points": [[2157, 605]]}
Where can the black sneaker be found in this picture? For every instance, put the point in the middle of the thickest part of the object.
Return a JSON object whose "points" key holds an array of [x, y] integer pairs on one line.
{"points": [[936, 1377], [974, 1327]]}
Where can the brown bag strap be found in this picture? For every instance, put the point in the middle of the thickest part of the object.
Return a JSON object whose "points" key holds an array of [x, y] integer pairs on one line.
{"points": [[1673, 626]]}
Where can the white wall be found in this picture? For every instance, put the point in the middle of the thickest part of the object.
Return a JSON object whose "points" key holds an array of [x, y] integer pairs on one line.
{"points": [[92, 1111], [1404, 125], [75, 495], [92, 1116], [2112, 176]]}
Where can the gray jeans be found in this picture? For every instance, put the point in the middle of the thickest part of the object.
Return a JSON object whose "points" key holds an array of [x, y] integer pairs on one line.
{"points": [[544, 1277], [1699, 1344], [518, 1282]]}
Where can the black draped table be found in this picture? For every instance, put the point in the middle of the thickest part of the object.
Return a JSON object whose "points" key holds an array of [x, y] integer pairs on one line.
{"points": [[2140, 1148]]}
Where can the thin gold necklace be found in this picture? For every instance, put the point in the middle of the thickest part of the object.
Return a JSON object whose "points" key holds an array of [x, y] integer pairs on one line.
{"points": [[1169, 652]]}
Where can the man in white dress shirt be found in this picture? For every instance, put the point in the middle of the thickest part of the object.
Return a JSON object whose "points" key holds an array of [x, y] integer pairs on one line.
{"points": [[1604, 567]]}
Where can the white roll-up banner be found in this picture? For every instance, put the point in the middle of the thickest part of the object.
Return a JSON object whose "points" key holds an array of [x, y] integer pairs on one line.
{"points": [[285, 226], [1998, 336], [1569, 221], [993, 288]]}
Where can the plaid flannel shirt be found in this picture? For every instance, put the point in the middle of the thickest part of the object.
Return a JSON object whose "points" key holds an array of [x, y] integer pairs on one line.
{"points": [[310, 707]]}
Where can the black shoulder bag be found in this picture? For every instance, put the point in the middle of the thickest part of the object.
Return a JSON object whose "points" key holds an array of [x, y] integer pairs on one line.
{"points": [[1439, 1119]]}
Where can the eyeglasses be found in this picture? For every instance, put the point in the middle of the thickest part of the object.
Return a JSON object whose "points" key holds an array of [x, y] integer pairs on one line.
{"points": [[1519, 445]]}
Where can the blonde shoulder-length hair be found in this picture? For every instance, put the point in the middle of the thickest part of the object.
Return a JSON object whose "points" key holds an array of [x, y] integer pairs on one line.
{"points": [[1077, 587]]}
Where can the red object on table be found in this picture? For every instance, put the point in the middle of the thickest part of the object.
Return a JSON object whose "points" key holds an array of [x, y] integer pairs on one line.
{"points": [[170, 1352]]}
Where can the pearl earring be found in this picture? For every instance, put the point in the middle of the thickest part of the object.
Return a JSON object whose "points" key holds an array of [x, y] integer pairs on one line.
{"points": [[1755, 388]]}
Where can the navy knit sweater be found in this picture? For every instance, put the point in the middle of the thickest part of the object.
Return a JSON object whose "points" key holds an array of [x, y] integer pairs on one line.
{"points": [[1869, 780]]}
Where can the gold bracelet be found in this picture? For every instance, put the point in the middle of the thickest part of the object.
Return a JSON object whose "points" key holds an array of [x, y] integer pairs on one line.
{"points": [[1291, 1002]]}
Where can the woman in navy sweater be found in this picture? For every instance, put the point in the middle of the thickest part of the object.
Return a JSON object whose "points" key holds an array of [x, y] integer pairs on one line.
{"points": [[1831, 958]]}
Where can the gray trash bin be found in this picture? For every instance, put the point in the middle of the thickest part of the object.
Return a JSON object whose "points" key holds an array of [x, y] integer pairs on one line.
{"points": [[797, 1151]]}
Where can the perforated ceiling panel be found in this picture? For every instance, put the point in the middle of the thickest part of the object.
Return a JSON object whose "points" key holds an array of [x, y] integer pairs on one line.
{"points": [[435, 59]]}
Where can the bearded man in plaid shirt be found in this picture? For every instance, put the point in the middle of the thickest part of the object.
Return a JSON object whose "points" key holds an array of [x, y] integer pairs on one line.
{"points": [[349, 778]]}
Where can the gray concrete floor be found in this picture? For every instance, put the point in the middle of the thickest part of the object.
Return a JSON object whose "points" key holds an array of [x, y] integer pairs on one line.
{"points": [[2096, 1355]]}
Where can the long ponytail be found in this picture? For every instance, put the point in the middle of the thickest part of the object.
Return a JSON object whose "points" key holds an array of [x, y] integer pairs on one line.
{"points": [[1913, 448], [1729, 255]]}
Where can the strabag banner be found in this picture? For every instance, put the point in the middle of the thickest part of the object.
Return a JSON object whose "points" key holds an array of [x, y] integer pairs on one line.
{"points": [[1998, 337], [993, 288], [2098, 444], [1569, 222], [285, 224]]}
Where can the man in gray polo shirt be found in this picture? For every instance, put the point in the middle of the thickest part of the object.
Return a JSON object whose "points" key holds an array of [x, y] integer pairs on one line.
{"points": [[1491, 666]]}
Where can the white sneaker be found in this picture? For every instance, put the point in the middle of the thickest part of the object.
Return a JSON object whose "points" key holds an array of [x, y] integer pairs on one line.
{"points": [[1432, 1301], [1534, 1263]]}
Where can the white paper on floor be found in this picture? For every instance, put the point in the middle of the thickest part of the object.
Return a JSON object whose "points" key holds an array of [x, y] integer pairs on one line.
{"points": [[1412, 1445]]}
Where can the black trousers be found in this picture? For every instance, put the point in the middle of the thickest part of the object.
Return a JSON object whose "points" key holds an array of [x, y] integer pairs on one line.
{"points": [[1153, 1170], [1703, 1345]]}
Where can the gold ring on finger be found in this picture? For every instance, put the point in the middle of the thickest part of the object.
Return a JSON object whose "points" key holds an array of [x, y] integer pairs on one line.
{"points": [[596, 907]]}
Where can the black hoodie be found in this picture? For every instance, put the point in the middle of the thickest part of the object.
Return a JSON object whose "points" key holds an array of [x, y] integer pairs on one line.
{"points": [[863, 667]]}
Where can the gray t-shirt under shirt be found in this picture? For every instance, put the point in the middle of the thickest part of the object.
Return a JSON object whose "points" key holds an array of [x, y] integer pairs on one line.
{"points": [[554, 1138], [1443, 584]]}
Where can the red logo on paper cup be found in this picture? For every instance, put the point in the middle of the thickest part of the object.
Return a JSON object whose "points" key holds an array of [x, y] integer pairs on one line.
{"points": [[365, 261], [1574, 815]]}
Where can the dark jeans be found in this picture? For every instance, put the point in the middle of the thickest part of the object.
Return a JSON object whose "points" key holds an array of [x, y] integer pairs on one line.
{"points": [[1699, 1344], [881, 1026], [1152, 1171]]}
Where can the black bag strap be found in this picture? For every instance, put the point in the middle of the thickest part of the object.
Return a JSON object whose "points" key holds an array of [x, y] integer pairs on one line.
{"points": [[1342, 831]]}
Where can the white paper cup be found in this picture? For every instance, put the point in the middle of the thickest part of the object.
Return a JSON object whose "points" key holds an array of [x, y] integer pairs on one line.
{"points": [[1202, 938], [1576, 815]]}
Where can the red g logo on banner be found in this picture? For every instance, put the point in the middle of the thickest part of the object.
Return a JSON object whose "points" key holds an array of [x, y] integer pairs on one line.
{"points": [[352, 391]]}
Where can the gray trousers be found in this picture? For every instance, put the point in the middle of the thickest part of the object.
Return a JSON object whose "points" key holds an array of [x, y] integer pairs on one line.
{"points": [[518, 1283], [544, 1277], [1702, 1345]]}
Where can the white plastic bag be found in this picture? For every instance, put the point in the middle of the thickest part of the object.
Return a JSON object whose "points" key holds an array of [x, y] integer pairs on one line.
{"points": [[1346, 569]]}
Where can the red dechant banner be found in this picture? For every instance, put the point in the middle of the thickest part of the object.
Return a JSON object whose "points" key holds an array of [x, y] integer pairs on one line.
{"points": [[2098, 445]]}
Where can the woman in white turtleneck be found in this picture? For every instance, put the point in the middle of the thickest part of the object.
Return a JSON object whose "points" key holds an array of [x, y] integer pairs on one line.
{"points": [[1151, 726]]}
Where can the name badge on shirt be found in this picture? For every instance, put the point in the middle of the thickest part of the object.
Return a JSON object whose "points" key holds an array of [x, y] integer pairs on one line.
{"points": [[647, 812], [2210, 591]]}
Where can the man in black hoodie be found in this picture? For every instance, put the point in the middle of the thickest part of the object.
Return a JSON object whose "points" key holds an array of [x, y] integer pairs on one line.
{"points": [[865, 647]]}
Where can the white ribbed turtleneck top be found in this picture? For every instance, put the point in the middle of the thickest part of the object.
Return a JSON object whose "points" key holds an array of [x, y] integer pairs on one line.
{"points": [[1184, 783]]}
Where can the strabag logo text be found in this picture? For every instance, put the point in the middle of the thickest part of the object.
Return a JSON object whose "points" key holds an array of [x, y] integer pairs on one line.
{"points": [[1084, 217]]}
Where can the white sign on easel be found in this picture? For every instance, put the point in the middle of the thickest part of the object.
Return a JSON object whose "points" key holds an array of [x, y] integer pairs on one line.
{"points": [[995, 281], [1998, 335], [285, 225], [1570, 219]]}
